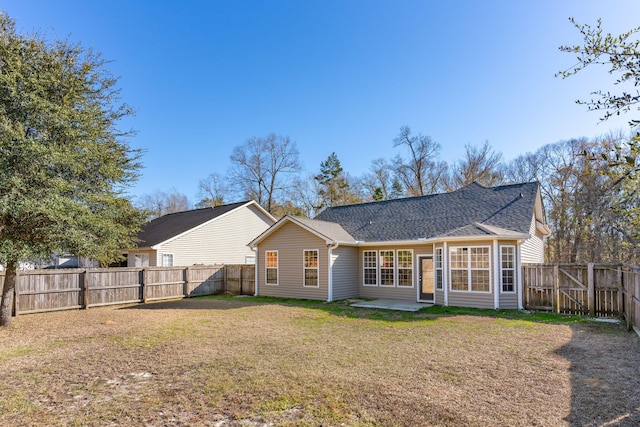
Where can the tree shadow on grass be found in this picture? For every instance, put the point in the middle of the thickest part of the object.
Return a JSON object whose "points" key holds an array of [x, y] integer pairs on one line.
{"points": [[605, 375]]}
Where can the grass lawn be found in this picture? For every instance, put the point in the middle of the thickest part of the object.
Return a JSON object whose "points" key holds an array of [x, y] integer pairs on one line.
{"points": [[229, 361]]}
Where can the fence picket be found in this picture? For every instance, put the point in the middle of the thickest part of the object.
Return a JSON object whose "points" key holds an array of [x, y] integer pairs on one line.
{"points": [[52, 290]]}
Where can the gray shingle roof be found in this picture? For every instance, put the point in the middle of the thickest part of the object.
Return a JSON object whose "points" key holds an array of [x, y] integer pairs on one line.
{"points": [[508, 207], [330, 230], [170, 225]]}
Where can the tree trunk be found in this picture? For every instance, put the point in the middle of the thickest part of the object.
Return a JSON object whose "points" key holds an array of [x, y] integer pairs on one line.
{"points": [[6, 304]]}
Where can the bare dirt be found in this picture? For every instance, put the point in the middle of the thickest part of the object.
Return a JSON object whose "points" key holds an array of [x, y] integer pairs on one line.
{"points": [[236, 362]]}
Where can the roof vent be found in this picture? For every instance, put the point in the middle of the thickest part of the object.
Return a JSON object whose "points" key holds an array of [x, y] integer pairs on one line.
{"points": [[521, 195]]}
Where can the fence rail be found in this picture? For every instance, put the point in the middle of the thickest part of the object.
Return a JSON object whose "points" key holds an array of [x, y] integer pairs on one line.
{"points": [[588, 289], [39, 291]]}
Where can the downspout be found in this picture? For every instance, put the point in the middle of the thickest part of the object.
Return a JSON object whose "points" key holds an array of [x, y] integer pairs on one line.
{"points": [[255, 250], [331, 247]]}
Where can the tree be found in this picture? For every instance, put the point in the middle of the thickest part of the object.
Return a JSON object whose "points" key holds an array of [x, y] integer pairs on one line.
{"points": [[264, 168], [334, 184], [585, 212], [421, 174], [212, 190], [378, 183], [480, 165], [64, 164], [161, 203], [621, 56]]}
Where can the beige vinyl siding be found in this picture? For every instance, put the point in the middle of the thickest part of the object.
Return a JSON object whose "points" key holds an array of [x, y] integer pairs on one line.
{"points": [[221, 241], [396, 292], [345, 275], [290, 241], [509, 301], [471, 299], [533, 248]]}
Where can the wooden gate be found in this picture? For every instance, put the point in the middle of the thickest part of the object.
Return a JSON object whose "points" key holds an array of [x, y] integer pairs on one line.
{"points": [[574, 288]]}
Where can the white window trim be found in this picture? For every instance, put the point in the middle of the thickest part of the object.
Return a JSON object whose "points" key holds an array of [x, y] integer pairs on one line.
{"points": [[376, 268], [304, 285], [435, 268], [395, 266], [397, 272], [469, 270], [515, 283], [172, 259], [277, 267]]}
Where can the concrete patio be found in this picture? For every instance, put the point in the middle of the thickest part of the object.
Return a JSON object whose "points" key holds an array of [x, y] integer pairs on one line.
{"points": [[390, 304]]}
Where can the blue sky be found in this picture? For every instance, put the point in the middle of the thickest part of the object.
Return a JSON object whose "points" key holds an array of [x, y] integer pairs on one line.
{"points": [[335, 75]]}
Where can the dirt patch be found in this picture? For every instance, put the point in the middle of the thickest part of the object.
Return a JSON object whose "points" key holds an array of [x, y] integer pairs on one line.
{"points": [[233, 362]]}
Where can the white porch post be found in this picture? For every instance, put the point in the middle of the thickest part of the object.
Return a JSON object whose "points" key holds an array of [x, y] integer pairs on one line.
{"points": [[519, 274], [496, 275], [445, 273]]}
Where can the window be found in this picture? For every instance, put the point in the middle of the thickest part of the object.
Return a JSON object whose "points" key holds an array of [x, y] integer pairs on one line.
{"points": [[405, 268], [470, 269], [370, 263], [250, 259], [311, 268], [508, 268], [141, 260], [438, 268], [167, 260], [387, 268], [271, 265]]}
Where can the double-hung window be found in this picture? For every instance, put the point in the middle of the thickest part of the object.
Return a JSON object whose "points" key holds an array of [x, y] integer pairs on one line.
{"points": [[311, 268], [271, 267], [167, 260], [370, 263], [470, 269], [405, 267], [508, 268], [387, 268]]}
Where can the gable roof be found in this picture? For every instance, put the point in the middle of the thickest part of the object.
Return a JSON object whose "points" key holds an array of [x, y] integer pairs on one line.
{"points": [[469, 212], [329, 231], [472, 210], [172, 225]]}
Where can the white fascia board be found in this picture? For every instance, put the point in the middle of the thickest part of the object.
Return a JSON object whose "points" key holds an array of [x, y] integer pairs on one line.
{"points": [[514, 236], [177, 236]]}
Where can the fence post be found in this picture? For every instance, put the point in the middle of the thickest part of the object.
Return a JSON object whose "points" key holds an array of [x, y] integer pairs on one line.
{"points": [[620, 292], [591, 290], [556, 285], [143, 285], [85, 289], [241, 277], [185, 288]]}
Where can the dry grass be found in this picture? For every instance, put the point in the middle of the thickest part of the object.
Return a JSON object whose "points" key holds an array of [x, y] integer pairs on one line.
{"points": [[225, 361]]}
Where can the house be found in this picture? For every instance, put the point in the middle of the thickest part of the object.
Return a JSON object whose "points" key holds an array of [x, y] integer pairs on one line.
{"points": [[463, 248], [214, 235]]}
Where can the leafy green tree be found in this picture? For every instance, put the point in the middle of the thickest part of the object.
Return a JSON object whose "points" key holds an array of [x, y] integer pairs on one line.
{"points": [[64, 164], [620, 54], [334, 184]]}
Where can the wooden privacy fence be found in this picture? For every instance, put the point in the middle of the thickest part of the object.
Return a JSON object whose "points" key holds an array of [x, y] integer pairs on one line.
{"points": [[588, 289], [51, 290]]}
